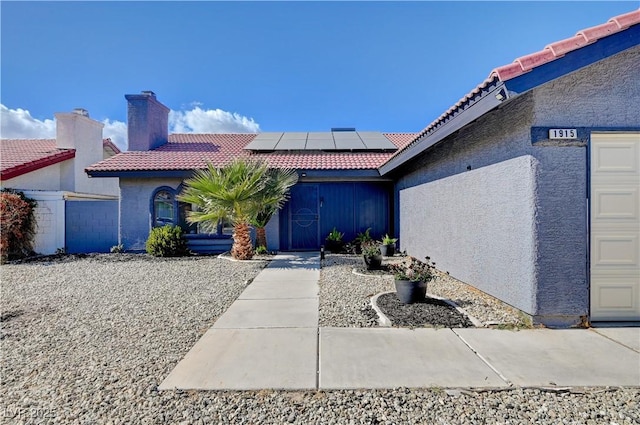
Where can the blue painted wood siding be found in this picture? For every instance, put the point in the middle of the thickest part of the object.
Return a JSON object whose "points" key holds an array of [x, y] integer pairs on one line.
{"points": [[350, 207]]}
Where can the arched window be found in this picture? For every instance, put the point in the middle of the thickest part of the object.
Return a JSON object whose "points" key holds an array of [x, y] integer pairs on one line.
{"points": [[163, 208]]}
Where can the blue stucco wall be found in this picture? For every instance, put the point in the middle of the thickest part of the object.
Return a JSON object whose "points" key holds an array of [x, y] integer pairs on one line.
{"points": [[135, 213], [90, 226], [516, 224]]}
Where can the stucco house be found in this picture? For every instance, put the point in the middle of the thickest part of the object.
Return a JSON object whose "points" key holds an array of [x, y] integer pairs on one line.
{"points": [[527, 188], [75, 212], [339, 183]]}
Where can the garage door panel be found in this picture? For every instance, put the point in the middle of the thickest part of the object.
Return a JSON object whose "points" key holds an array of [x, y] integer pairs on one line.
{"points": [[616, 157], [615, 250], [616, 203], [615, 227], [615, 299]]}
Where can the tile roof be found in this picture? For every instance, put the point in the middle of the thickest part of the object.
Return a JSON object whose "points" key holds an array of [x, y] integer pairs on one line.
{"points": [[21, 156], [560, 48], [528, 62], [194, 151]]}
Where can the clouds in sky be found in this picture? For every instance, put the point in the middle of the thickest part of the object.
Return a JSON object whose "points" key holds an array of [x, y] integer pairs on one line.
{"points": [[19, 124]]}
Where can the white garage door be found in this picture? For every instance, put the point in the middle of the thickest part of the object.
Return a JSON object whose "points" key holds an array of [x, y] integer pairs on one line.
{"points": [[615, 226]]}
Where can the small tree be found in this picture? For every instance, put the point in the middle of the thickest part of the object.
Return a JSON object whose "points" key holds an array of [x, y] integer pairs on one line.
{"points": [[230, 193], [17, 225]]}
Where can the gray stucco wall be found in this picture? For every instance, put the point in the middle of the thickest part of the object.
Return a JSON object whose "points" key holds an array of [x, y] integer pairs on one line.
{"points": [[491, 205], [516, 225], [135, 212]]}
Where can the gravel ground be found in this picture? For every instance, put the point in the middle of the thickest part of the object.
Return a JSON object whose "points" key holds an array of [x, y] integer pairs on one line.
{"points": [[87, 341], [345, 296]]}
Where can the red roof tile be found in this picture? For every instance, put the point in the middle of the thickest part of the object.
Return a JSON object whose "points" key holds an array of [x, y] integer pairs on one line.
{"points": [[194, 151], [21, 156], [526, 63], [560, 48]]}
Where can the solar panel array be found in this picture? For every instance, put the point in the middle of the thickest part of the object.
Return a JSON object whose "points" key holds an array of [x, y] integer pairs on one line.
{"points": [[322, 141]]}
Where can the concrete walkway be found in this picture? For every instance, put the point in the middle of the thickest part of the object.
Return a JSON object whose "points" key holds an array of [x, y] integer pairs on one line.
{"points": [[269, 339]]}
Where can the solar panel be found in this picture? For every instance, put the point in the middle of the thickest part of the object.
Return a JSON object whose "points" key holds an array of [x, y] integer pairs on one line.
{"points": [[343, 139], [264, 142], [376, 140], [348, 141], [288, 144]]}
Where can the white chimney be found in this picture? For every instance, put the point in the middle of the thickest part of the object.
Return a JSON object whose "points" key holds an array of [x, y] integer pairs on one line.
{"points": [[75, 130]]}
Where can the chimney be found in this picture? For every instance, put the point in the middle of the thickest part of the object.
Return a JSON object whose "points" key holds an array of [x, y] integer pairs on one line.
{"points": [[148, 121]]}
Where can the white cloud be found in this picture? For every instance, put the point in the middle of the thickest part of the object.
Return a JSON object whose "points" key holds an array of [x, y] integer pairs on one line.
{"points": [[116, 131], [198, 120], [19, 124]]}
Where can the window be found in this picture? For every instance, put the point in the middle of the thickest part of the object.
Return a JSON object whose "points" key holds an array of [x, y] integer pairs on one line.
{"points": [[166, 209], [184, 209], [163, 208]]}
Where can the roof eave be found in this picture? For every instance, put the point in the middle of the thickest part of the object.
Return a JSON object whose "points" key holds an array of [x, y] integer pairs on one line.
{"points": [[28, 167], [577, 59], [448, 125]]}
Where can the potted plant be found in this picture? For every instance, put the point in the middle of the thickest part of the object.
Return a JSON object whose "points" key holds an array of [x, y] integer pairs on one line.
{"points": [[371, 255], [362, 238], [388, 247], [411, 277], [334, 244]]}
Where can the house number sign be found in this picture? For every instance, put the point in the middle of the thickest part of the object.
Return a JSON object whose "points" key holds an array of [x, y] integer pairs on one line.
{"points": [[563, 133]]}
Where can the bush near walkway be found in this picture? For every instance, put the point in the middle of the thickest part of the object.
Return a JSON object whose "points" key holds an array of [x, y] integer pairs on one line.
{"points": [[17, 225]]}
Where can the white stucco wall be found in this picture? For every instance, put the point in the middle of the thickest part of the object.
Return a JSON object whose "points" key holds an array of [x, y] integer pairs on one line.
{"points": [[49, 213], [79, 132], [47, 178]]}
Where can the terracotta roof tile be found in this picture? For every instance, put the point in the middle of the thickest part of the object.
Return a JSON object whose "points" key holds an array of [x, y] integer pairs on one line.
{"points": [[21, 156], [560, 48], [194, 151], [526, 63]]}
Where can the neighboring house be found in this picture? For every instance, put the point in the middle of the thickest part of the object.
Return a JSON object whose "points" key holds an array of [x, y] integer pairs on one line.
{"points": [[527, 188], [74, 213]]}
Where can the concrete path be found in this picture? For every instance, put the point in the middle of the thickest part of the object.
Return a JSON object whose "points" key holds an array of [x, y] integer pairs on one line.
{"points": [[269, 339]]}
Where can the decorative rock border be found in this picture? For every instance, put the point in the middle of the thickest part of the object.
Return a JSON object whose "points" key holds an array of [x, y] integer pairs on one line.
{"points": [[384, 321]]}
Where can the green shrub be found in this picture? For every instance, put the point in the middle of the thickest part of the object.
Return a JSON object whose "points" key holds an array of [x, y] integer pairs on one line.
{"points": [[261, 250], [167, 241], [18, 225]]}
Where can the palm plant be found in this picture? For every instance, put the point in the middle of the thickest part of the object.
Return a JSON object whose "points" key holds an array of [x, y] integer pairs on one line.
{"points": [[232, 193], [273, 196]]}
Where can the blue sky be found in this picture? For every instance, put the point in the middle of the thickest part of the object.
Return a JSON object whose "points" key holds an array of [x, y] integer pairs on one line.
{"points": [[267, 66]]}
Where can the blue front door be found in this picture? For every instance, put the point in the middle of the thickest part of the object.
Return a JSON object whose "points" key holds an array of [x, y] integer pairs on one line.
{"points": [[304, 231]]}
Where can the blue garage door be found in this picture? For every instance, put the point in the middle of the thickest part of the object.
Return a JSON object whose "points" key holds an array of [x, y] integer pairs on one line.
{"points": [[91, 226]]}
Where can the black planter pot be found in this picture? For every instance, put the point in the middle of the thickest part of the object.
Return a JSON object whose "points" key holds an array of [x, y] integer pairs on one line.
{"points": [[411, 292], [334, 247], [373, 263], [388, 250]]}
